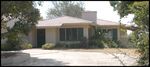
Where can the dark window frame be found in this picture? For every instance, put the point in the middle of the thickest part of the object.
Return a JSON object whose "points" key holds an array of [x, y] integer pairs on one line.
{"points": [[70, 34]]}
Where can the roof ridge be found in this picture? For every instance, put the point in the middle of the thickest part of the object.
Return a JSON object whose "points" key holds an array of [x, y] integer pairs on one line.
{"points": [[73, 17], [78, 18]]}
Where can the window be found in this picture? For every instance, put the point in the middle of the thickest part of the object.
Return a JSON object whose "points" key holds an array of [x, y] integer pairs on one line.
{"points": [[71, 34], [74, 34], [80, 33], [68, 34], [109, 33], [114, 33], [62, 34]]}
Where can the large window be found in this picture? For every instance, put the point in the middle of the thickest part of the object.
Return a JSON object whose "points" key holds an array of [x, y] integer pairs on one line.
{"points": [[71, 34], [62, 34], [112, 34]]}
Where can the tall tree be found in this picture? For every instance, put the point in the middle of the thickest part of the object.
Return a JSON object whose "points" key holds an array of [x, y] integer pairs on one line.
{"points": [[25, 15], [140, 35], [23, 11], [69, 8]]}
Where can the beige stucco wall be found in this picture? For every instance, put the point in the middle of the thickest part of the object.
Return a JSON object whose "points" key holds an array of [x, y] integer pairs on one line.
{"points": [[32, 37], [85, 32], [124, 39], [51, 35]]}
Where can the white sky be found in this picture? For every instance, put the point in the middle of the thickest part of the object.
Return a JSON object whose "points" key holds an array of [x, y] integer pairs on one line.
{"points": [[103, 8]]}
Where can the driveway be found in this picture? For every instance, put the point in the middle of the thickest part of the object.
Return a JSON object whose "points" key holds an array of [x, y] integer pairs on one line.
{"points": [[75, 57]]}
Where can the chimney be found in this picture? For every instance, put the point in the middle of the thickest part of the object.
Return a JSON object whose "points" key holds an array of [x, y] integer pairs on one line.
{"points": [[90, 15]]}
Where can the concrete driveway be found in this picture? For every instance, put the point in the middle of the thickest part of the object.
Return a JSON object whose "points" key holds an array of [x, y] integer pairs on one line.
{"points": [[74, 57]]}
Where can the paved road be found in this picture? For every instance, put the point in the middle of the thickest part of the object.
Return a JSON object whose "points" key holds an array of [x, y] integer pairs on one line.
{"points": [[74, 58]]}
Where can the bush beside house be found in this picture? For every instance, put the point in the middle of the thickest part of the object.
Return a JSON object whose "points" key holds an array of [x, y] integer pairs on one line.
{"points": [[9, 47], [5, 47], [48, 46], [26, 46], [98, 40], [16, 43]]}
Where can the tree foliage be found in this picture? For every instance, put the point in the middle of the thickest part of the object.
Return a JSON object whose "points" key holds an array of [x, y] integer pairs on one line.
{"points": [[26, 16], [69, 8], [139, 36], [21, 10]]}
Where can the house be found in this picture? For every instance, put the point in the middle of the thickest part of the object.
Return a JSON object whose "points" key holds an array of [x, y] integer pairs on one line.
{"points": [[67, 29]]}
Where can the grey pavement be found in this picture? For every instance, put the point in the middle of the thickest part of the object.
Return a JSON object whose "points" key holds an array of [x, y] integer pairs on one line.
{"points": [[40, 57]]}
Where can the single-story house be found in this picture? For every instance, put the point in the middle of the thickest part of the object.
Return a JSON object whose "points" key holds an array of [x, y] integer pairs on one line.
{"points": [[67, 29]]}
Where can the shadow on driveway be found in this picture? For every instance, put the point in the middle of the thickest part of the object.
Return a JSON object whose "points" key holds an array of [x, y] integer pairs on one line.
{"points": [[34, 61], [24, 59]]}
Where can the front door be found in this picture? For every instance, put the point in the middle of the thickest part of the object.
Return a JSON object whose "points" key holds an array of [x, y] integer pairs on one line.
{"points": [[40, 37]]}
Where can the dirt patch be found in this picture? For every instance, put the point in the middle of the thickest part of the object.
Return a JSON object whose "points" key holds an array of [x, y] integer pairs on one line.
{"points": [[131, 52]]}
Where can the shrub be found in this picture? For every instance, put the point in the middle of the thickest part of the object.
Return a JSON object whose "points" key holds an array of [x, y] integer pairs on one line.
{"points": [[60, 45], [83, 43], [6, 47], [95, 43], [110, 43], [71, 45], [97, 39], [9, 47], [106, 45], [114, 44], [92, 43], [48, 46], [99, 43], [75, 45], [15, 42], [26, 46]]}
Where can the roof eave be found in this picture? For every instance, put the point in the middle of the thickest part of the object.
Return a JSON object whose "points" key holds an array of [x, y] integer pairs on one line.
{"points": [[39, 27], [107, 25]]}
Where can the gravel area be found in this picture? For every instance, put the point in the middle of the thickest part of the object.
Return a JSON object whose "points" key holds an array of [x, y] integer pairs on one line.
{"points": [[77, 57]]}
